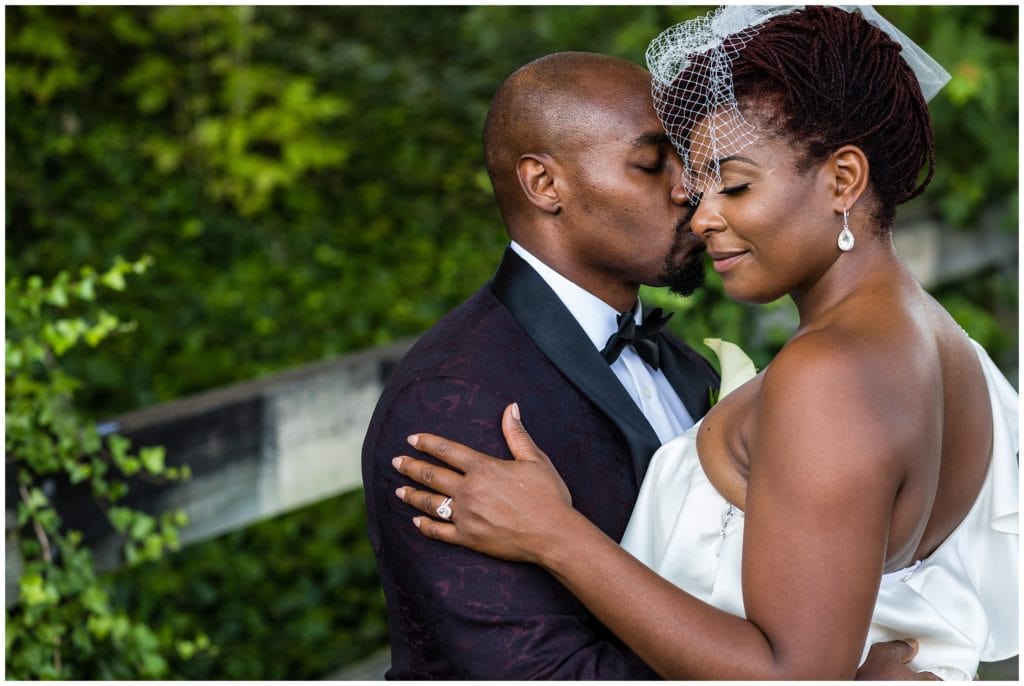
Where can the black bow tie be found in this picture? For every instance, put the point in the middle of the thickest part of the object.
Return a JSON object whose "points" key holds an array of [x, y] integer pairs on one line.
{"points": [[642, 338]]}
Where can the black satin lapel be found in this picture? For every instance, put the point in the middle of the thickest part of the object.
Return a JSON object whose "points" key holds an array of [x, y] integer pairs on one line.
{"points": [[692, 378], [557, 333]]}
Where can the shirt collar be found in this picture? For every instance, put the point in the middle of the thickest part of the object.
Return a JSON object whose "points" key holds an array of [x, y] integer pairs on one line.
{"points": [[598, 319]]}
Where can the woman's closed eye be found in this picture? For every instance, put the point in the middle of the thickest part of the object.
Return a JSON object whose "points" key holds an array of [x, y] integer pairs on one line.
{"points": [[735, 189]]}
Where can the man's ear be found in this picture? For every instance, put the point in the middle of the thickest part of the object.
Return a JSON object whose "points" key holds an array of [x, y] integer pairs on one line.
{"points": [[850, 171], [537, 174]]}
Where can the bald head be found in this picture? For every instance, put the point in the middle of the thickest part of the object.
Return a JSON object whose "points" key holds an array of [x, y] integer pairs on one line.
{"points": [[547, 107]]}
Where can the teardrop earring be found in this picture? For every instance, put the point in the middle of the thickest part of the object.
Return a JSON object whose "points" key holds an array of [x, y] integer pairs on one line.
{"points": [[846, 240]]}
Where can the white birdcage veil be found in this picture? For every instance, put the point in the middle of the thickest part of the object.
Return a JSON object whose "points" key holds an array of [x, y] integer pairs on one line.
{"points": [[691, 70]]}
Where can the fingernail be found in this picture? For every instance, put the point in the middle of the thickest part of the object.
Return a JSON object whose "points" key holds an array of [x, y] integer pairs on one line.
{"points": [[396, 462], [515, 411], [413, 440], [400, 492], [416, 521], [911, 642]]}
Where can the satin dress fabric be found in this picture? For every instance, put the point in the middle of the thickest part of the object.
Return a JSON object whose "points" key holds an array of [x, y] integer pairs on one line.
{"points": [[960, 603]]}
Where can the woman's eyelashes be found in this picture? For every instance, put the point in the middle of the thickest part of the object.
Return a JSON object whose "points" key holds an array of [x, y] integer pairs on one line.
{"points": [[734, 189]]}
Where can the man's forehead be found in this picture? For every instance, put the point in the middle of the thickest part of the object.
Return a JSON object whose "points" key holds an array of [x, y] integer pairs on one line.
{"points": [[621, 114]]}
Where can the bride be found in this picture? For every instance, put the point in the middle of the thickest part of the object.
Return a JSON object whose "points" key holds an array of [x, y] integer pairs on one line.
{"points": [[861, 488]]}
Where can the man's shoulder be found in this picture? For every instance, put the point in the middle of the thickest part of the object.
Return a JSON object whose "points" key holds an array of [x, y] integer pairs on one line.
{"points": [[480, 327], [471, 349]]}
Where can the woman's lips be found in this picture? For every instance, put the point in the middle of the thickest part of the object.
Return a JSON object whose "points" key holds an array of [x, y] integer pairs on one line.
{"points": [[724, 261]]}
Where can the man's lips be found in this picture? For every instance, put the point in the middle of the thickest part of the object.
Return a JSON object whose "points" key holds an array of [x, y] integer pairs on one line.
{"points": [[723, 260], [687, 243]]}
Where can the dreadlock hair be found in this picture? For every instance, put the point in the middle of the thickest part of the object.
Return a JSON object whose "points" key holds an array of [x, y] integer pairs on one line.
{"points": [[823, 78]]}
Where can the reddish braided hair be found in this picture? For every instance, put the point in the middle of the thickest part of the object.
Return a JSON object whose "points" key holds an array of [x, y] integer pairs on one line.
{"points": [[824, 78]]}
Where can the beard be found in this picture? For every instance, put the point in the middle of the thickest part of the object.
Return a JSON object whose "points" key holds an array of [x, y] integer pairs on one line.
{"points": [[683, 271]]}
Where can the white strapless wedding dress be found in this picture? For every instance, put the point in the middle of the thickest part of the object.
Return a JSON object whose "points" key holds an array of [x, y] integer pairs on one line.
{"points": [[960, 603]]}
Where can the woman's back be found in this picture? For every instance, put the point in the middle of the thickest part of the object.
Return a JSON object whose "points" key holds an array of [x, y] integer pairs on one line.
{"points": [[966, 431]]}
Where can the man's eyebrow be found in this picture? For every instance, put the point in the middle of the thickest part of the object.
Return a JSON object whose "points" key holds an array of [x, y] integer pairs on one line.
{"points": [[651, 138]]}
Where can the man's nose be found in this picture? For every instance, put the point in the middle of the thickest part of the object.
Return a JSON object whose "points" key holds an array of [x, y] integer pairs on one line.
{"points": [[678, 192]]}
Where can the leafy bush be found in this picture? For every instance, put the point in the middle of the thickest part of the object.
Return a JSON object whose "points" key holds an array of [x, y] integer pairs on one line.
{"points": [[64, 625], [295, 597]]}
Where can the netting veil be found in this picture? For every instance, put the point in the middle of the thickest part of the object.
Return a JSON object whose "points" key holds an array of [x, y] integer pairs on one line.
{"points": [[691, 70]]}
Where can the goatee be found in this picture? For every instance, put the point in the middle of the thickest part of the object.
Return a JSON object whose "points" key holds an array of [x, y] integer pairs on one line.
{"points": [[683, 271]]}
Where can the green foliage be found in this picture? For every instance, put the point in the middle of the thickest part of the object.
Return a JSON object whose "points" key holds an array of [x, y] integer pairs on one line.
{"points": [[317, 173], [292, 598], [310, 182], [281, 175], [987, 307], [975, 115], [64, 625]]}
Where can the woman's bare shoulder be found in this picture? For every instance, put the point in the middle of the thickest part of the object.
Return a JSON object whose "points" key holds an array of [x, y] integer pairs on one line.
{"points": [[844, 382], [824, 359]]}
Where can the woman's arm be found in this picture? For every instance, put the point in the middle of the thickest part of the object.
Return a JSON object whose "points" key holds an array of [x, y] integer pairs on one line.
{"points": [[820, 494]]}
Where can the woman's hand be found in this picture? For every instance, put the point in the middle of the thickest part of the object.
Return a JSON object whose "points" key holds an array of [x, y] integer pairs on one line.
{"points": [[511, 509]]}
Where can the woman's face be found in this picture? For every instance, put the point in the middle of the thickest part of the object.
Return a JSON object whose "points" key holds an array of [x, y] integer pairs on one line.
{"points": [[769, 228]]}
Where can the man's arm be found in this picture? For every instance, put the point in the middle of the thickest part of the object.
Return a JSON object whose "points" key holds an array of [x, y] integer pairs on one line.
{"points": [[492, 619]]}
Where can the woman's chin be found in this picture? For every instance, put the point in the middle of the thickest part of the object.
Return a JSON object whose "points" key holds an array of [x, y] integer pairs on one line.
{"points": [[745, 293]]}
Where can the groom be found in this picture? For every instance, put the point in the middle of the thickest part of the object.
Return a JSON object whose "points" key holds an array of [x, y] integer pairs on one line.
{"points": [[583, 175]]}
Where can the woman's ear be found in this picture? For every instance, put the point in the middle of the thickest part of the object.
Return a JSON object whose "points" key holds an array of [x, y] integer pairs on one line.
{"points": [[537, 174], [849, 166]]}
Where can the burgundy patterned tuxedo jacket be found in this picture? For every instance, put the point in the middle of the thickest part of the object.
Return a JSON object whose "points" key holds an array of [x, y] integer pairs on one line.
{"points": [[456, 614]]}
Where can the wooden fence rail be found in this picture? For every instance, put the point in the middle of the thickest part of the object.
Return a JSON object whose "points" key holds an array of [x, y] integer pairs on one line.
{"points": [[256, 449]]}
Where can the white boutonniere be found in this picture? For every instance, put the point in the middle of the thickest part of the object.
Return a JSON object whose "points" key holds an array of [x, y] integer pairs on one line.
{"points": [[737, 367]]}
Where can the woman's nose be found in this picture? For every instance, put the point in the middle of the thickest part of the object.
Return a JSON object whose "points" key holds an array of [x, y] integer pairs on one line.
{"points": [[706, 218]]}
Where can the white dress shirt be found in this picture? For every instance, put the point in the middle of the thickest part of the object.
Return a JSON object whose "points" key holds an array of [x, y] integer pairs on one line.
{"points": [[648, 388]]}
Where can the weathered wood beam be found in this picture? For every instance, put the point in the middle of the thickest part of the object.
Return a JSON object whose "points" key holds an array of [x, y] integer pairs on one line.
{"points": [[256, 449], [938, 255]]}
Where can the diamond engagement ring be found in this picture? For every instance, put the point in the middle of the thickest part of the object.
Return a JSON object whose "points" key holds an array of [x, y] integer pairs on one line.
{"points": [[444, 510]]}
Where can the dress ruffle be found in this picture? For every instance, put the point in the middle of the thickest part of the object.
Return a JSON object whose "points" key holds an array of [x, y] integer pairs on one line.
{"points": [[961, 602]]}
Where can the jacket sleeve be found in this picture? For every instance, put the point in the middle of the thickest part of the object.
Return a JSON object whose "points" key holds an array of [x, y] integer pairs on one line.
{"points": [[491, 619]]}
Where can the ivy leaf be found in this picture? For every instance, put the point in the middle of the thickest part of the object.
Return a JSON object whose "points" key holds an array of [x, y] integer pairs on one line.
{"points": [[152, 459], [114, 279], [78, 473], [118, 448], [35, 591], [142, 526], [120, 518]]}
